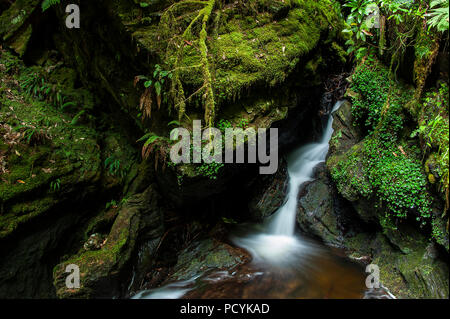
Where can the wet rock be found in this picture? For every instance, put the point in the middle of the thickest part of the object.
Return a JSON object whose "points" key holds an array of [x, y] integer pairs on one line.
{"points": [[207, 255], [345, 134], [412, 274], [315, 210], [268, 193]]}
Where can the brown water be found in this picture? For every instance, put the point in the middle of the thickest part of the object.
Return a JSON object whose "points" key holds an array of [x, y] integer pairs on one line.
{"points": [[329, 276]]}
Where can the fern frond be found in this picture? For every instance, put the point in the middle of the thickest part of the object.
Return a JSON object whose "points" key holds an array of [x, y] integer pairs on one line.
{"points": [[48, 3]]}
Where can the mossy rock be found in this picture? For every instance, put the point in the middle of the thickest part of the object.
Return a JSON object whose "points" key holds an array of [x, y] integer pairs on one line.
{"points": [[48, 158], [100, 270], [16, 16]]}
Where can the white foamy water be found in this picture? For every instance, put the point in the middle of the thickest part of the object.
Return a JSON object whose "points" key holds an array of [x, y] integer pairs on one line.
{"points": [[171, 291], [277, 244]]}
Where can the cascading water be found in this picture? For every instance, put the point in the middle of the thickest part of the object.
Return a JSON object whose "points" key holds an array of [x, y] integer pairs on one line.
{"points": [[277, 243], [284, 264]]}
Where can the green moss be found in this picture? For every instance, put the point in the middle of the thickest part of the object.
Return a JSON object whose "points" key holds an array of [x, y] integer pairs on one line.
{"points": [[41, 145], [251, 44], [383, 165]]}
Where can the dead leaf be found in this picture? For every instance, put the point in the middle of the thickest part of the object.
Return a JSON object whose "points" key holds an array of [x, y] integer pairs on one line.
{"points": [[401, 150]]}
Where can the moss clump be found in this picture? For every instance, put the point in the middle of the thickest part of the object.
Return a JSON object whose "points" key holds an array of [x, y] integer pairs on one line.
{"points": [[433, 129], [44, 151], [386, 165], [218, 51]]}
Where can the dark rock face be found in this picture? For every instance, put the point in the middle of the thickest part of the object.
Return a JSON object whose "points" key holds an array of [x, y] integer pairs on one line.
{"points": [[28, 256], [207, 255], [315, 210], [268, 193], [346, 135]]}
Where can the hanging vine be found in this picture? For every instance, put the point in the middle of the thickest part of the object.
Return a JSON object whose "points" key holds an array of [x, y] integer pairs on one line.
{"points": [[172, 19]]}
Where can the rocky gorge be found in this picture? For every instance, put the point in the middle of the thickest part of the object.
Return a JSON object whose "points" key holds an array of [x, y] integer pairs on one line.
{"points": [[86, 179]]}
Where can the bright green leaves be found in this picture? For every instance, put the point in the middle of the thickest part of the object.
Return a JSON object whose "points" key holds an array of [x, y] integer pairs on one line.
{"points": [[439, 15], [46, 4]]}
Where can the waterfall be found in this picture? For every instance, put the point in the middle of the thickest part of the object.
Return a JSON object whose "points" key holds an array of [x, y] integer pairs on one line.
{"points": [[301, 164], [276, 243]]}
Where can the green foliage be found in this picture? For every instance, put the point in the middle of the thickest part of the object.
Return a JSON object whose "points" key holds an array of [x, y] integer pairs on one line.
{"points": [[385, 166], [35, 86], [243, 123], [46, 4], [149, 138], [55, 185], [439, 14], [209, 170], [113, 167], [434, 130], [396, 179], [159, 77], [222, 125], [371, 83], [367, 30], [358, 25]]}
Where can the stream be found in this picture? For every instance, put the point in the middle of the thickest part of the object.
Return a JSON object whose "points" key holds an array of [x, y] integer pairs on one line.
{"points": [[284, 264]]}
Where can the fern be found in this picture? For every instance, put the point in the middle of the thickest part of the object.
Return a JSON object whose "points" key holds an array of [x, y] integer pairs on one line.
{"points": [[48, 3], [439, 15]]}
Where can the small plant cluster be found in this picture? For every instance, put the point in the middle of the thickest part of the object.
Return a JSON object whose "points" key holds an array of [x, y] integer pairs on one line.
{"points": [[209, 170], [385, 166], [434, 131], [35, 86], [46, 4], [371, 84], [156, 81], [396, 179], [399, 180]]}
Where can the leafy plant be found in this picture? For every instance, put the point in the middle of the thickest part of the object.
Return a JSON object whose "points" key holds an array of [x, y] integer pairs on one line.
{"points": [[55, 185], [46, 4], [358, 26], [439, 15], [156, 81], [111, 204], [113, 166]]}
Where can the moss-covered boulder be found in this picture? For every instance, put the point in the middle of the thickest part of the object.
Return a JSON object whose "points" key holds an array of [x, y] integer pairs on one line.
{"points": [[46, 156], [248, 64], [101, 270], [378, 168], [15, 24]]}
